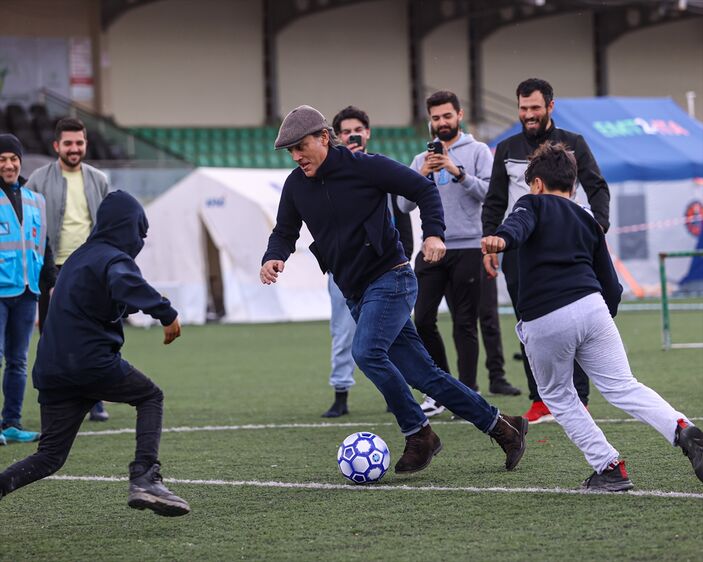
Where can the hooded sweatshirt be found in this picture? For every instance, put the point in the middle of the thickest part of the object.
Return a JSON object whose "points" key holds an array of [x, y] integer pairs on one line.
{"points": [[461, 201], [99, 285]]}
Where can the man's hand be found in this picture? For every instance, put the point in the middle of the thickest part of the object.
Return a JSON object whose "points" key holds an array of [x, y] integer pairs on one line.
{"points": [[270, 270], [355, 147], [442, 161], [492, 245], [172, 331], [433, 249], [436, 162], [490, 263], [430, 164]]}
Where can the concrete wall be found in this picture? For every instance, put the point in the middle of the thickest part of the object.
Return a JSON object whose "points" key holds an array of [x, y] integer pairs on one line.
{"points": [[445, 59], [510, 55], [176, 62], [186, 63], [665, 60], [558, 49], [45, 18], [355, 55]]}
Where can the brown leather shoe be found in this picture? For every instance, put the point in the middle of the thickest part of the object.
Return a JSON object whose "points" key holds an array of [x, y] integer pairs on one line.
{"points": [[509, 432], [420, 447]]}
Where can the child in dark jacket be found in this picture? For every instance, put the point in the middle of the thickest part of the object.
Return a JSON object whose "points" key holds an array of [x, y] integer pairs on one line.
{"points": [[79, 362], [569, 293]]}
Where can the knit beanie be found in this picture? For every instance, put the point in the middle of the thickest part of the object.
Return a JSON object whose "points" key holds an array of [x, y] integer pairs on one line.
{"points": [[10, 143]]}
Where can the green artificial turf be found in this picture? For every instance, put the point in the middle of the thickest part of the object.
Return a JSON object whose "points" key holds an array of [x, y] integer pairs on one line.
{"points": [[277, 374]]}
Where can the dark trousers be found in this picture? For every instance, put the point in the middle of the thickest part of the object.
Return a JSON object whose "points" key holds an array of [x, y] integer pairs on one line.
{"points": [[60, 422], [510, 269], [490, 327], [458, 276]]}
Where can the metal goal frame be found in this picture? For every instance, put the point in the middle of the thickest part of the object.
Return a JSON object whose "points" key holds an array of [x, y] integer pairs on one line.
{"points": [[666, 319]]}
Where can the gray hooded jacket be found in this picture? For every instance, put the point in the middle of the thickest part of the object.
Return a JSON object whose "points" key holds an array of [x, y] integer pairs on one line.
{"points": [[462, 202], [48, 181]]}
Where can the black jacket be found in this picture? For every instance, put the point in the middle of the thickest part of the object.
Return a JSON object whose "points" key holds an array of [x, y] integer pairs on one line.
{"points": [[562, 255], [508, 176], [345, 207], [99, 285], [404, 224]]}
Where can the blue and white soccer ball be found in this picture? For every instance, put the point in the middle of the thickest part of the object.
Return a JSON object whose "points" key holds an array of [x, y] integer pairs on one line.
{"points": [[363, 457]]}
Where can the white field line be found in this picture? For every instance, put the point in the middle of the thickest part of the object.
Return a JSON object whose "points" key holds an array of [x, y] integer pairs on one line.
{"points": [[389, 488], [321, 425]]}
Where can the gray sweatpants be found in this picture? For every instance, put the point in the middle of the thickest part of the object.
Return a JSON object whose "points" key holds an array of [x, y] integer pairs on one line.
{"points": [[585, 331]]}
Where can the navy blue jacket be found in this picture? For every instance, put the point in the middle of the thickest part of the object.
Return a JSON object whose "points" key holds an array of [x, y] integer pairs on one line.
{"points": [[345, 207], [562, 255], [98, 285]]}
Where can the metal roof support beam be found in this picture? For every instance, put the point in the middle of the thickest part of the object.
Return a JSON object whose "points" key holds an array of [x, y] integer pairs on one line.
{"points": [[417, 84], [475, 38]]}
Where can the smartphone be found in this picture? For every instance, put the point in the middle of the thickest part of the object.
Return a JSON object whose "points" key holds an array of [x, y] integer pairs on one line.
{"points": [[355, 139], [435, 147]]}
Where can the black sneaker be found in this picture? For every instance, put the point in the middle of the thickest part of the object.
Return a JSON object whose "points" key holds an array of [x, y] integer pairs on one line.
{"points": [[502, 386], [690, 439], [148, 492], [612, 479], [98, 413], [420, 448]]}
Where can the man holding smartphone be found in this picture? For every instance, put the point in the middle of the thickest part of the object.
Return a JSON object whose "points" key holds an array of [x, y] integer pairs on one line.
{"points": [[460, 167], [352, 127]]}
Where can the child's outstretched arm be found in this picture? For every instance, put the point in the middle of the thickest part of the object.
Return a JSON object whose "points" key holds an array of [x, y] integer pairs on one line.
{"points": [[129, 288], [519, 224], [511, 234]]}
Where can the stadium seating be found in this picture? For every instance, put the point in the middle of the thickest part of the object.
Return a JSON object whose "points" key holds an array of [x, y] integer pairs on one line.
{"points": [[252, 147], [35, 129], [235, 147]]}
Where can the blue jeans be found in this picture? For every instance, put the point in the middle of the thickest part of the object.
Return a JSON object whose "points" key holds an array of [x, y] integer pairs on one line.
{"points": [[16, 324], [342, 328], [390, 353]]}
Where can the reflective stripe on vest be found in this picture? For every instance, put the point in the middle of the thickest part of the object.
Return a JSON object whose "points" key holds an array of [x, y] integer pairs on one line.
{"points": [[22, 246]]}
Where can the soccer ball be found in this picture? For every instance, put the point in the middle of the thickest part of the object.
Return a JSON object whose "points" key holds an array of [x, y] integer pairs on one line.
{"points": [[363, 457]]}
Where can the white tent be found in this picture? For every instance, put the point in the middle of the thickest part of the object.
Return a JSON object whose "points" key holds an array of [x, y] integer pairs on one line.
{"points": [[206, 238]]}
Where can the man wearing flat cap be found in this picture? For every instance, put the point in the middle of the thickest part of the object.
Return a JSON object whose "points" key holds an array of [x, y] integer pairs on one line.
{"points": [[342, 198], [25, 257]]}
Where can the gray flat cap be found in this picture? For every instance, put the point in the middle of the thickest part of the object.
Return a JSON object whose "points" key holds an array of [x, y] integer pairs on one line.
{"points": [[300, 122]]}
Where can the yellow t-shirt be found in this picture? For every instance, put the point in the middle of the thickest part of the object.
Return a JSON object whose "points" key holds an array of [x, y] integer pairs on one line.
{"points": [[76, 218]]}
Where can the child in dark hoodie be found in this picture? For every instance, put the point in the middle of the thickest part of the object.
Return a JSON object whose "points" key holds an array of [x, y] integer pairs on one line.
{"points": [[78, 357]]}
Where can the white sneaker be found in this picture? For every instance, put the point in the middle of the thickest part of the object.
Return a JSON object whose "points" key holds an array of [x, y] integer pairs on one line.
{"points": [[431, 408]]}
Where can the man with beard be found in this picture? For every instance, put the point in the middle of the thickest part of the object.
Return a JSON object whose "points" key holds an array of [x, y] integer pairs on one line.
{"points": [[73, 191], [461, 172], [352, 127], [26, 263], [535, 105]]}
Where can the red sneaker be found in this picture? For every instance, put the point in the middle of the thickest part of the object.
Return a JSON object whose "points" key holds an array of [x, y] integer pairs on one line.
{"points": [[538, 413]]}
